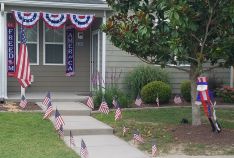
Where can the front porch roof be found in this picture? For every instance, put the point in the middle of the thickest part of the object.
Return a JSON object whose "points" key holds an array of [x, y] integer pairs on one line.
{"points": [[75, 4]]}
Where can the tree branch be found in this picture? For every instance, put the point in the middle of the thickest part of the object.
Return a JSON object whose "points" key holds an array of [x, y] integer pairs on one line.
{"points": [[196, 38], [167, 65]]}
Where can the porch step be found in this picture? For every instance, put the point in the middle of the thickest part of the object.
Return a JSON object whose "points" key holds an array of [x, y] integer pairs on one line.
{"points": [[106, 146], [69, 108], [84, 125]]}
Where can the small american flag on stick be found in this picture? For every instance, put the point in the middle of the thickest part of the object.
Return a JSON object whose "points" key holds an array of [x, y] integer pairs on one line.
{"points": [[118, 113], [137, 138], [23, 102], [104, 107], [89, 102], [58, 120], [154, 149], [138, 101], [48, 111], [125, 130], [83, 150], [47, 99], [61, 132], [72, 141]]}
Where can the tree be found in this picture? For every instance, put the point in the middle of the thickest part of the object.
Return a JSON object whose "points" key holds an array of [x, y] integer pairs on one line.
{"points": [[173, 32]]}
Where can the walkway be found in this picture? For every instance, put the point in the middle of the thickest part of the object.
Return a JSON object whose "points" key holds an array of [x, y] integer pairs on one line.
{"points": [[99, 138]]}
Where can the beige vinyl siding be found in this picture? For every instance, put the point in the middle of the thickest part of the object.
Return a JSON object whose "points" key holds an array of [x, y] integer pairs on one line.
{"points": [[122, 63]]}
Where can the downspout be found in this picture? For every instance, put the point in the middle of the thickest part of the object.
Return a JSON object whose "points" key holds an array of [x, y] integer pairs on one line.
{"points": [[231, 77], [104, 54]]}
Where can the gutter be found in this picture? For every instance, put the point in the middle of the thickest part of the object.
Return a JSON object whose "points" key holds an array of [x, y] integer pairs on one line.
{"points": [[56, 5]]}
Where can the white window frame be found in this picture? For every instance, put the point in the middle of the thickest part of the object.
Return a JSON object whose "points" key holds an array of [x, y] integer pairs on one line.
{"points": [[59, 43], [17, 42]]}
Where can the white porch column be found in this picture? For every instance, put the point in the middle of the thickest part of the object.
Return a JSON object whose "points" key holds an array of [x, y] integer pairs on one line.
{"points": [[231, 77], [3, 54], [104, 53]]}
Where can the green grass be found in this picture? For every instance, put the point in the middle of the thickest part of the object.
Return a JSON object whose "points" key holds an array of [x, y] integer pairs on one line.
{"points": [[156, 124], [26, 135]]}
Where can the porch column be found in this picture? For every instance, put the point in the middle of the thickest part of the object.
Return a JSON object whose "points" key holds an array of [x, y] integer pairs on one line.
{"points": [[3, 55], [104, 53], [231, 77]]}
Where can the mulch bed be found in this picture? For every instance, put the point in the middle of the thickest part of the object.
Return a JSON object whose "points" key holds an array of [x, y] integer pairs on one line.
{"points": [[14, 107], [203, 135]]}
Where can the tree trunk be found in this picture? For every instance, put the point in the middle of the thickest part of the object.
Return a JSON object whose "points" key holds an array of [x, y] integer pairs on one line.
{"points": [[196, 116]]}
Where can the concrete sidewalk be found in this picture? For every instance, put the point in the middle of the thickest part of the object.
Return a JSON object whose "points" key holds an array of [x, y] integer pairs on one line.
{"points": [[99, 138], [186, 156]]}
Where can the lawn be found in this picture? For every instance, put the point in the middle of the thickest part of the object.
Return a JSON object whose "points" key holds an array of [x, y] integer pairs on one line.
{"points": [[159, 124], [26, 135]]}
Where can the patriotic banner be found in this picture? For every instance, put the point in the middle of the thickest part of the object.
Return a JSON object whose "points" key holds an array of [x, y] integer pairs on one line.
{"points": [[11, 52], [54, 21], [27, 19], [70, 52], [81, 22]]}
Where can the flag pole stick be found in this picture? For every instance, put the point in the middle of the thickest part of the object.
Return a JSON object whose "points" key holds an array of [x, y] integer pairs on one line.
{"points": [[22, 89]]}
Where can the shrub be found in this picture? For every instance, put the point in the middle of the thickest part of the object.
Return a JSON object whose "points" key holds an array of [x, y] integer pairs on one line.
{"points": [[110, 92], [185, 90], [150, 91], [226, 93], [142, 75]]}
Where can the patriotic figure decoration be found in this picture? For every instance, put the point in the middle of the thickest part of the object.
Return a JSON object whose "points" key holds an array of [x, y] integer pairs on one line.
{"points": [[27, 19], [89, 102], [118, 113], [83, 150], [138, 101], [54, 21], [104, 107], [23, 102], [177, 99], [205, 97], [72, 141], [58, 120], [23, 72], [48, 111], [154, 149], [47, 99], [81, 22], [137, 137]]}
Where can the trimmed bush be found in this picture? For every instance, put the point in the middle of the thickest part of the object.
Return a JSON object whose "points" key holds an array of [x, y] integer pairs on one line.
{"points": [[149, 92], [110, 92], [185, 90], [226, 93], [142, 75]]}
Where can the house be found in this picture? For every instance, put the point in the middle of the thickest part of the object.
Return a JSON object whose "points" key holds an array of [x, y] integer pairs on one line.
{"points": [[92, 52]]}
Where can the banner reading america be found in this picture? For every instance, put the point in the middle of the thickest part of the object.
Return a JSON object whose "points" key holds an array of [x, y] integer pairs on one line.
{"points": [[70, 51], [11, 55]]}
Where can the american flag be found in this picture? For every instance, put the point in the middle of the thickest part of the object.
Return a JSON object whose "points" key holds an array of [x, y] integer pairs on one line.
{"points": [[23, 102], [47, 99], [138, 100], [72, 141], [177, 99], [48, 111], [89, 102], [104, 107], [137, 137], [125, 130], [154, 150], [157, 100], [58, 120], [114, 102], [61, 132], [83, 150], [23, 73], [118, 113]]}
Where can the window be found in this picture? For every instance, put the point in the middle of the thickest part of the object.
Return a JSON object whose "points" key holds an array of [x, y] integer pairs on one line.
{"points": [[54, 47], [32, 36]]}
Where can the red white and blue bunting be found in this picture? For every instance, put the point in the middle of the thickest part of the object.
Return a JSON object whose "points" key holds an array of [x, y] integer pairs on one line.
{"points": [[27, 19], [54, 21], [81, 22]]}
